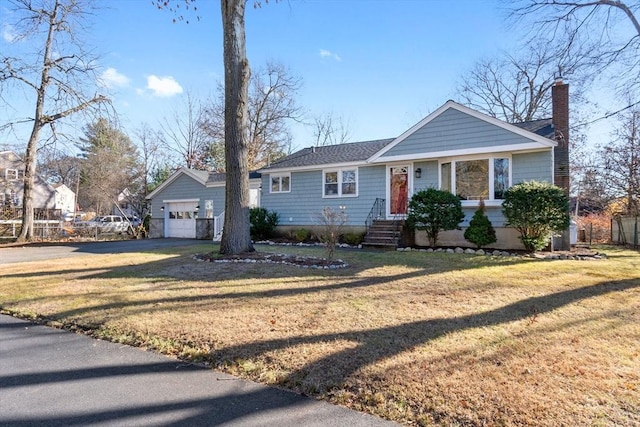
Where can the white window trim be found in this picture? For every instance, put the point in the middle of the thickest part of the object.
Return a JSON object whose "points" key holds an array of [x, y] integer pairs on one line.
{"points": [[490, 201], [14, 174], [339, 183], [280, 176]]}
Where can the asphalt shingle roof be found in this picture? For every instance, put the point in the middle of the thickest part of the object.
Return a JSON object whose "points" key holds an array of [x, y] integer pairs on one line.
{"points": [[217, 177], [542, 127], [360, 151], [328, 154]]}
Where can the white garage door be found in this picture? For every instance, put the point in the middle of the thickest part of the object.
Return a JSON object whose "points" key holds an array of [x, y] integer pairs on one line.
{"points": [[181, 220]]}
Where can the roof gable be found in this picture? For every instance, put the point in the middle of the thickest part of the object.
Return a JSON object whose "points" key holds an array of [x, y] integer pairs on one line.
{"points": [[198, 176], [204, 178], [455, 128]]}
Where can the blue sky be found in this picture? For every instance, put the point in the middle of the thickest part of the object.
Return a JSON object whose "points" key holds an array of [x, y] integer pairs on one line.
{"points": [[380, 65]]}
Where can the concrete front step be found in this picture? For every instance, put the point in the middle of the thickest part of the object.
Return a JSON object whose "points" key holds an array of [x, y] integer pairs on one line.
{"points": [[383, 246]]}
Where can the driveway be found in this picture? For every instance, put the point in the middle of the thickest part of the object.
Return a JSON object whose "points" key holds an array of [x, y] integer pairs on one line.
{"points": [[50, 377], [38, 252]]}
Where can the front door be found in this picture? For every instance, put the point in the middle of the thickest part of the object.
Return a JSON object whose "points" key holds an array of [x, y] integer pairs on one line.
{"points": [[398, 190]]}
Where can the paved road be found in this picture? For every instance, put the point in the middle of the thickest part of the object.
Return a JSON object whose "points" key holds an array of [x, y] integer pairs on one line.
{"points": [[40, 252], [50, 377]]}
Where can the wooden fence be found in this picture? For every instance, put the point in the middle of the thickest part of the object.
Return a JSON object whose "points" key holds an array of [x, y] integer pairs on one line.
{"points": [[624, 231]]}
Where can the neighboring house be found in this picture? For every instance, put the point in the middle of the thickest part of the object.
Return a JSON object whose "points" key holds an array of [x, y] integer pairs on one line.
{"points": [[65, 200], [12, 184], [454, 148], [125, 207], [190, 204]]}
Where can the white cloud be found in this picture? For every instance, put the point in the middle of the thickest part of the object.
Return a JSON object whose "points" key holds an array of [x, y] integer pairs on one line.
{"points": [[112, 78], [163, 86], [8, 33], [328, 54]]}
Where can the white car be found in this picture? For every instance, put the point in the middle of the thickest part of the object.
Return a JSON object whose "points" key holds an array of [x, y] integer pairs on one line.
{"points": [[107, 224]]}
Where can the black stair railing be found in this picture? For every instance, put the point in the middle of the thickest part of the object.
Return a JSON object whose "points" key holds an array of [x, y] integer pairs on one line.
{"points": [[377, 211]]}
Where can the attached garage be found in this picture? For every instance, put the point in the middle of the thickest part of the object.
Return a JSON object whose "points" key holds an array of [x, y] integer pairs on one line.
{"points": [[190, 204], [180, 218]]}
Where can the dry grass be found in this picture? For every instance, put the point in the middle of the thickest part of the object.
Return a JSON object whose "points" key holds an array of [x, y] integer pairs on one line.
{"points": [[418, 338]]}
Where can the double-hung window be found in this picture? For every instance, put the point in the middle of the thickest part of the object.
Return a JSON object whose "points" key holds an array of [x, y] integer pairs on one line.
{"points": [[475, 179], [280, 183], [12, 174], [340, 183]]}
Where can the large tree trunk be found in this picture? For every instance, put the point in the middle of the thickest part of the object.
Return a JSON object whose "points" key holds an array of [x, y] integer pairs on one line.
{"points": [[27, 229], [26, 232], [236, 237]]}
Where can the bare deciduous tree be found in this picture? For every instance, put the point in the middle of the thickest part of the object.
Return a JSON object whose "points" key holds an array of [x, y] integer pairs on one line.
{"points": [[332, 222], [518, 88], [236, 238], [605, 31], [56, 166], [330, 130], [271, 106], [59, 74], [183, 134], [153, 162], [621, 161]]}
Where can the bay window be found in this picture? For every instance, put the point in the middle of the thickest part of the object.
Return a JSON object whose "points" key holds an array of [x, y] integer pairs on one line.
{"points": [[475, 179]]}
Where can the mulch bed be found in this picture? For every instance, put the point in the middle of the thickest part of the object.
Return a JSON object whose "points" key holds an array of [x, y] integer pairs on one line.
{"points": [[273, 258]]}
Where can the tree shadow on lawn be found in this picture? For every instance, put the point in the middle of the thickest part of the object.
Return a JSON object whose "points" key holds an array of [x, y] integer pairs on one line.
{"points": [[375, 345], [184, 268]]}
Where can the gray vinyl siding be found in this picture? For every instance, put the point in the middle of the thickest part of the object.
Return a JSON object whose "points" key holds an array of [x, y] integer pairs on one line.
{"points": [[185, 187], [536, 166], [454, 130], [494, 213], [429, 178], [301, 206]]}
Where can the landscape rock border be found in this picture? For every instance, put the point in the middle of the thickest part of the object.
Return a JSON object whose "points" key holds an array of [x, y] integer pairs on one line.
{"points": [[582, 255], [566, 255], [275, 258]]}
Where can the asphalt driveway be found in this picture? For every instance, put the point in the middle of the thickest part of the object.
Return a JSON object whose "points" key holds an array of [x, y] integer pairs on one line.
{"points": [[50, 377], [38, 252]]}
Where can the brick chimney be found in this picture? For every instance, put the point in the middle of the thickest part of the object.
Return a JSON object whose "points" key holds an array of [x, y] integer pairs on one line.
{"points": [[560, 119]]}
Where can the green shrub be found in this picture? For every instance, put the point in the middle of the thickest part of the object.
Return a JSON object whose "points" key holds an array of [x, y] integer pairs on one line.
{"points": [[301, 234], [353, 239], [434, 210], [536, 210], [480, 231], [145, 222], [263, 223]]}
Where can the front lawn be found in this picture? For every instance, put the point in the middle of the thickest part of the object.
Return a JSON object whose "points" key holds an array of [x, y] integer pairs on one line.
{"points": [[420, 338]]}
